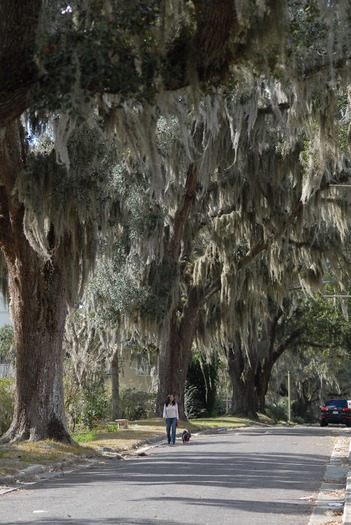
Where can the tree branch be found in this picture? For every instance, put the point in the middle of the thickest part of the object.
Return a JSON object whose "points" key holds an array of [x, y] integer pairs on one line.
{"points": [[288, 341], [313, 344], [18, 26], [209, 292], [183, 211]]}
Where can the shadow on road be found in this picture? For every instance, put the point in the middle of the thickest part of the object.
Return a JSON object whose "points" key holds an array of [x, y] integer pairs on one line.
{"points": [[193, 466], [258, 473]]}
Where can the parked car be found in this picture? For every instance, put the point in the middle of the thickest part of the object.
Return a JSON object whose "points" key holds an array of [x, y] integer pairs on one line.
{"points": [[336, 411]]}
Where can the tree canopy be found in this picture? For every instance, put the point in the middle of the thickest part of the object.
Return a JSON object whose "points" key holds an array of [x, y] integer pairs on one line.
{"points": [[235, 117]]}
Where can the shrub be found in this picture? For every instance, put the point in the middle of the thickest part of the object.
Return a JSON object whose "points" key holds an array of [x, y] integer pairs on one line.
{"points": [[201, 387], [86, 406], [7, 400], [96, 405], [277, 412], [193, 403], [7, 349], [298, 420], [136, 404]]}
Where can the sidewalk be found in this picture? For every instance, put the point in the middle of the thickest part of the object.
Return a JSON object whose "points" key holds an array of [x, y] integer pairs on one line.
{"points": [[331, 506]]}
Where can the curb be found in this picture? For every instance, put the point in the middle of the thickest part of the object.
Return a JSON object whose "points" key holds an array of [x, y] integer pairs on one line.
{"points": [[329, 501], [40, 472], [346, 518], [36, 473]]}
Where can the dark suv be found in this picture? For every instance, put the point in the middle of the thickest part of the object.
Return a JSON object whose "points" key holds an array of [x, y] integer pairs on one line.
{"points": [[336, 411]]}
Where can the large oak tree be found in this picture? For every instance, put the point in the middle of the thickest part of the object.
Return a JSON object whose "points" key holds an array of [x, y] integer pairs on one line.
{"points": [[49, 227], [121, 63]]}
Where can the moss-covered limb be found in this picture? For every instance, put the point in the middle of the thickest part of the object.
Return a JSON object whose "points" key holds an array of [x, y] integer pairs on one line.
{"points": [[60, 59], [18, 72]]}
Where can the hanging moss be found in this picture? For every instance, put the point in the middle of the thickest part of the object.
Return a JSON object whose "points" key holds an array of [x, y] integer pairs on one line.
{"points": [[267, 131], [72, 203]]}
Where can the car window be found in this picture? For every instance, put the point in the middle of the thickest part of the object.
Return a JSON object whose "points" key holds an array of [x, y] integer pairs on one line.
{"points": [[341, 403]]}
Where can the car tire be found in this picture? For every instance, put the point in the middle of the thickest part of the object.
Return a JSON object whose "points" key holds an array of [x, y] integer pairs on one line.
{"points": [[348, 424], [324, 424]]}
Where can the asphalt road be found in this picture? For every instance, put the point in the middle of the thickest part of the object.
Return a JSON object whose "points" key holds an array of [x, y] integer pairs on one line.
{"points": [[244, 477]]}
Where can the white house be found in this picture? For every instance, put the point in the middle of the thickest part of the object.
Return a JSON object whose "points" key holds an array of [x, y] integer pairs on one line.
{"points": [[5, 368], [4, 312]]}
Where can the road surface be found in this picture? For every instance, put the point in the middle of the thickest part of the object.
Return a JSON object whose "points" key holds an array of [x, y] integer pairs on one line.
{"points": [[245, 477]]}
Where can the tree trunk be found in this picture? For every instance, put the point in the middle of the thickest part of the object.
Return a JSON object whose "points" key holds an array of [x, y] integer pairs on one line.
{"points": [[250, 370], [39, 321], [179, 328], [116, 408], [38, 307], [176, 354], [262, 378], [175, 358], [269, 357], [242, 377]]}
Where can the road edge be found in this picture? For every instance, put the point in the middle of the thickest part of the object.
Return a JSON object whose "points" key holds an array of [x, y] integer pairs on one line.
{"points": [[347, 506]]}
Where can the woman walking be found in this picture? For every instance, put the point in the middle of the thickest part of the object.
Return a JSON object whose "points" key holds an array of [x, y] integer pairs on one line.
{"points": [[171, 416]]}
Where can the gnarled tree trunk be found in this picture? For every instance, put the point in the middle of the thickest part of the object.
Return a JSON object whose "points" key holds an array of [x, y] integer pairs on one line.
{"points": [[175, 356], [250, 369], [242, 377], [116, 408], [38, 312], [38, 307], [179, 327]]}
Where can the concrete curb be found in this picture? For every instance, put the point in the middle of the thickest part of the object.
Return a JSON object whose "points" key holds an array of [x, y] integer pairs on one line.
{"points": [[38, 473], [329, 500], [41, 472], [346, 518]]}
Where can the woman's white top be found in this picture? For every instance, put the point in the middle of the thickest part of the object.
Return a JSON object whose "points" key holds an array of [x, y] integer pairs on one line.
{"points": [[170, 411]]}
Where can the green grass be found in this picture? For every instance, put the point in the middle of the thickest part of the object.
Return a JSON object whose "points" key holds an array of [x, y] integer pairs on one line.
{"points": [[85, 437], [107, 434], [219, 422], [153, 422], [27, 458], [112, 428], [228, 421]]}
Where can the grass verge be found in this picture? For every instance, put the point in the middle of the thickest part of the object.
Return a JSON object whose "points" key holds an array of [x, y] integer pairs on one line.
{"points": [[105, 437]]}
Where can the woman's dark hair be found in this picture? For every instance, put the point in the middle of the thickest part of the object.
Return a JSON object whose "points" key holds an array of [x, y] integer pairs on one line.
{"points": [[168, 400]]}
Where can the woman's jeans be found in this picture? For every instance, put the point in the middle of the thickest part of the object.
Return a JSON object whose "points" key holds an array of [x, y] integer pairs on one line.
{"points": [[171, 423]]}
